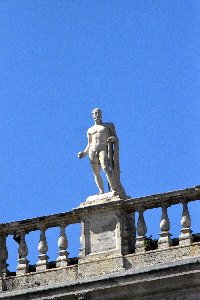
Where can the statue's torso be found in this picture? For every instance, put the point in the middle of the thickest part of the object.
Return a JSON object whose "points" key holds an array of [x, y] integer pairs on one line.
{"points": [[99, 135]]}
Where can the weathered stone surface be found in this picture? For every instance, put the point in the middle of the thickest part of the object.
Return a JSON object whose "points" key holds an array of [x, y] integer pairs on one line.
{"points": [[100, 266], [177, 281], [159, 256], [36, 279], [106, 232], [107, 268], [131, 263], [101, 198]]}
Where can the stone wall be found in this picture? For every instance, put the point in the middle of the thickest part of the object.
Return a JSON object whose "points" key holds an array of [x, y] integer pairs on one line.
{"points": [[178, 280], [101, 267]]}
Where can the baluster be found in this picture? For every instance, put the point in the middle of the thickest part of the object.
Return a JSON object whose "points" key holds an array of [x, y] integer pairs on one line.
{"points": [[185, 237], [164, 240], [84, 249], [43, 263], [3, 257], [63, 259], [22, 267], [141, 230], [80, 255]]}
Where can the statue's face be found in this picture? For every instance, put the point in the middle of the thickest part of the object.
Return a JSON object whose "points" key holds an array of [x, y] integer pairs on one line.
{"points": [[97, 114]]}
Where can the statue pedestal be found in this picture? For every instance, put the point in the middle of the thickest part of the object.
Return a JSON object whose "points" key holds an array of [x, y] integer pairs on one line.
{"points": [[107, 228], [102, 198]]}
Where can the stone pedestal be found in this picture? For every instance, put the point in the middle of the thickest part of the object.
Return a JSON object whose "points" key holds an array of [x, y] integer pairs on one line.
{"points": [[62, 260], [107, 229], [164, 241], [43, 263], [139, 246], [22, 267], [185, 237]]}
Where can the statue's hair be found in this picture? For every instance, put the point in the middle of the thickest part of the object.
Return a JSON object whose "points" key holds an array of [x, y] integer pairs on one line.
{"points": [[96, 109]]}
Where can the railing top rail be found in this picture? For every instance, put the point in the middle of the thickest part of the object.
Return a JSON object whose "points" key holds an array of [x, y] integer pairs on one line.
{"points": [[169, 198], [36, 223], [74, 216], [148, 202]]}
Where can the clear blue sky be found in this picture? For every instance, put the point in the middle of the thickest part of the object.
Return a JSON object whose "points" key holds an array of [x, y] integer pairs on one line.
{"points": [[136, 60]]}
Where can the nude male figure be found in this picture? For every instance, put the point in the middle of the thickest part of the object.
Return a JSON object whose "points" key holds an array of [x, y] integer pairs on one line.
{"points": [[99, 136]]}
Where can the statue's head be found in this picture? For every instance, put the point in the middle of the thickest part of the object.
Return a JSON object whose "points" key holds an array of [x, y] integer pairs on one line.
{"points": [[97, 114]]}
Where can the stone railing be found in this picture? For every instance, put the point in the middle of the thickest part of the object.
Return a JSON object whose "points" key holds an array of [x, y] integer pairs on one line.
{"points": [[20, 229], [165, 201], [120, 211]]}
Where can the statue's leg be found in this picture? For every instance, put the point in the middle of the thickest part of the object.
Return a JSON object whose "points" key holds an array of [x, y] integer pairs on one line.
{"points": [[97, 177], [103, 157]]}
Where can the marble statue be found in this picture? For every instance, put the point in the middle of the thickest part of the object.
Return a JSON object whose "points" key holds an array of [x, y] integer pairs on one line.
{"points": [[103, 151]]}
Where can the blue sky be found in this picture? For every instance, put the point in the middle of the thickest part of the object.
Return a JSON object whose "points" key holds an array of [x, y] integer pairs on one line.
{"points": [[136, 60]]}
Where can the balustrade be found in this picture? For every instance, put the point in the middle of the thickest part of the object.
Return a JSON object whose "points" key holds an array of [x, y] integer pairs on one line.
{"points": [[164, 240], [63, 259], [21, 228], [185, 238], [43, 263], [141, 230], [140, 205], [22, 267]]}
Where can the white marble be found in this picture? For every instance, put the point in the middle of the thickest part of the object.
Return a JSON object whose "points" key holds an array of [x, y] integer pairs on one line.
{"points": [[101, 198], [103, 151]]}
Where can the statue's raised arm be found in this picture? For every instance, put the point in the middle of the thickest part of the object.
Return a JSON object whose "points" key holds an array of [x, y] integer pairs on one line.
{"points": [[103, 150]]}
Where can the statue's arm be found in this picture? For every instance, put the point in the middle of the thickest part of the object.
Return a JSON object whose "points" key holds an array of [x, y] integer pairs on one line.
{"points": [[85, 152]]}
